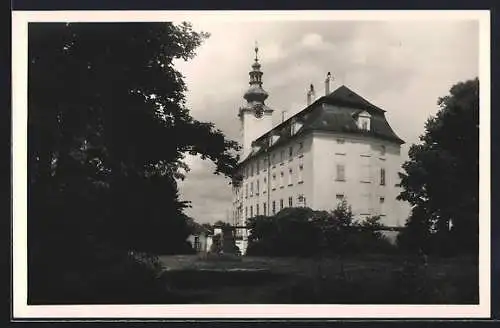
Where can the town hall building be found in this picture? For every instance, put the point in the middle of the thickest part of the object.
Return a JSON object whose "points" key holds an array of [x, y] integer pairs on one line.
{"points": [[339, 147]]}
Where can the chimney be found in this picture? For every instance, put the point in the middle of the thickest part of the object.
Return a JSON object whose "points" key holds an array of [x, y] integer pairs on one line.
{"points": [[327, 84], [311, 95]]}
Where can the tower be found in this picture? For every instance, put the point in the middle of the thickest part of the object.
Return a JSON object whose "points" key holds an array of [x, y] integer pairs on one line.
{"points": [[255, 117]]}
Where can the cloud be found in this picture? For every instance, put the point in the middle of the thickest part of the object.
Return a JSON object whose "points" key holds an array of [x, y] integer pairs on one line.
{"points": [[312, 40]]}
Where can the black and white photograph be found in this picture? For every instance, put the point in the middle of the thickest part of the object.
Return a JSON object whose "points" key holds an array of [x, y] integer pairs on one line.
{"points": [[266, 161]]}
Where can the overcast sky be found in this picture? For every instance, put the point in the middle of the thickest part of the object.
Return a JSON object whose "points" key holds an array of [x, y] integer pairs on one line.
{"points": [[402, 67]]}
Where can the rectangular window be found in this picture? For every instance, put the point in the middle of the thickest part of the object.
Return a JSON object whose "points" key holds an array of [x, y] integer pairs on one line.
{"points": [[282, 176], [258, 187], [290, 202], [301, 168], [281, 204], [339, 197], [301, 145], [251, 170], [382, 150], [290, 174], [264, 187], [251, 189], [274, 181], [258, 166], [257, 209], [264, 208], [274, 207], [382, 200], [246, 190], [282, 156], [340, 141], [364, 124], [251, 211], [382, 177], [290, 152], [340, 172], [246, 212], [365, 169]]}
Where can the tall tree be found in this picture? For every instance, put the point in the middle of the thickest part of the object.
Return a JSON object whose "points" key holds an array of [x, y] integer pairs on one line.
{"points": [[108, 128], [441, 178]]}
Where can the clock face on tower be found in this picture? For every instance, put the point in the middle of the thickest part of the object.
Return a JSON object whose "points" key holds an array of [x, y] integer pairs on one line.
{"points": [[258, 111]]}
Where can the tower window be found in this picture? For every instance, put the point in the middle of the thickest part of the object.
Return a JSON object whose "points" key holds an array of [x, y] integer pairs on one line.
{"points": [[282, 175], [301, 168], [251, 189], [290, 172], [282, 156], [382, 177], [382, 150], [258, 166], [290, 152]]}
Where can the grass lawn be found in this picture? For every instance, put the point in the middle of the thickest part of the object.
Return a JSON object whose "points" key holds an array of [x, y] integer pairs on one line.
{"points": [[381, 279]]}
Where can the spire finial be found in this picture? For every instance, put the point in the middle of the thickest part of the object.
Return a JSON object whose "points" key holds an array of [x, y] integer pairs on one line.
{"points": [[256, 51]]}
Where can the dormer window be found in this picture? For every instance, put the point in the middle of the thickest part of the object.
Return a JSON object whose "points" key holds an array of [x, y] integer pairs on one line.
{"points": [[273, 139], [363, 121], [295, 126]]}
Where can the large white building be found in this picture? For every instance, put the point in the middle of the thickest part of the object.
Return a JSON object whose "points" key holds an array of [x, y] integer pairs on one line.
{"points": [[338, 147]]}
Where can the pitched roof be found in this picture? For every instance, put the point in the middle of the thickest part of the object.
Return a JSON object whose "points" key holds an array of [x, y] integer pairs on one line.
{"points": [[335, 112], [344, 95]]}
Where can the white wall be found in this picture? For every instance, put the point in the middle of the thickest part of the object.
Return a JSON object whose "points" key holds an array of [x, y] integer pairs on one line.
{"points": [[362, 159]]}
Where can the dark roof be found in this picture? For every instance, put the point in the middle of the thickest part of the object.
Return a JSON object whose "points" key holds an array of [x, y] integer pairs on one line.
{"points": [[335, 112], [345, 96]]}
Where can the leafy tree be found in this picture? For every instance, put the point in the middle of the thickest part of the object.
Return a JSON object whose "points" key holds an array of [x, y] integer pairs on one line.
{"points": [[441, 178], [108, 130]]}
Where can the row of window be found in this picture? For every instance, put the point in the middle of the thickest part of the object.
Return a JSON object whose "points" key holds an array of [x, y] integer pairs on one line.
{"points": [[249, 210], [341, 176], [255, 168], [340, 197], [301, 201], [273, 182]]}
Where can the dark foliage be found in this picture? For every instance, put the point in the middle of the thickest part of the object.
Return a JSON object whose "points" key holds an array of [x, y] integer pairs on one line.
{"points": [[305, 232], [441, 179], [107, 133]]}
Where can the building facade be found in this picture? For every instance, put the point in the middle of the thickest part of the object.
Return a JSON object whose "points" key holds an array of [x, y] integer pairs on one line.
{"points": [[339, 147]]}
